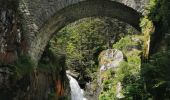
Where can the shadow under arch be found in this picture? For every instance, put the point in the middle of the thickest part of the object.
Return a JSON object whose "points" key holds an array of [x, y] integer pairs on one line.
{"points": [[89, 8]]}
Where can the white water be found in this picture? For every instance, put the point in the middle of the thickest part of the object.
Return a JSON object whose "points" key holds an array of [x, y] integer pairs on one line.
{"points": [[76, 91]]}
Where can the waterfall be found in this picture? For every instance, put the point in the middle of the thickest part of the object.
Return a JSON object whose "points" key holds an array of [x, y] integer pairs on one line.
{"points": [[76, 91]]}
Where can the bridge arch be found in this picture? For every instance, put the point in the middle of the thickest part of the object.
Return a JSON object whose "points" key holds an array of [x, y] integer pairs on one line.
{"points": [[39, 34]]}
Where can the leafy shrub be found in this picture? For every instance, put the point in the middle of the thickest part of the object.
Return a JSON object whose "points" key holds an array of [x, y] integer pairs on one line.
{"points": [[156, 74], [24, 66], [128, 72]]}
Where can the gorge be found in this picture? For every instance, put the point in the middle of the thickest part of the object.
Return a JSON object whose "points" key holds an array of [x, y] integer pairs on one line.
{"points": [[113, 49]]}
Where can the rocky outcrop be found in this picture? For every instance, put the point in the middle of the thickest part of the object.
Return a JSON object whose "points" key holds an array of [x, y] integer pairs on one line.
{"points": [[110, 58], [10, 40]]}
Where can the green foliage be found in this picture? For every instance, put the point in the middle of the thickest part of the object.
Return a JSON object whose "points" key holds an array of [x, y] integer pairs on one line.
{"points": [[161, 17], [158, 11], [156, 73], [128, 72], [82, 42], [123, 43], [107, 93], [147, 30], [52, 62], [126, 43], [24, 66], [52, 96]]}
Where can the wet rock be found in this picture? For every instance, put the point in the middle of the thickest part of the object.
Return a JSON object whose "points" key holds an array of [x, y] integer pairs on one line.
{"points": [[73, 74]]}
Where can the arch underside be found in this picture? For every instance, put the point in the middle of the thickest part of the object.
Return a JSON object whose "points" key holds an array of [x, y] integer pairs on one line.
{"points": [[89, 8]]}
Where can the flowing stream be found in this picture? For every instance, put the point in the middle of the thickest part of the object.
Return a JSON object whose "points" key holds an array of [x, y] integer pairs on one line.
{"points": [[76, 91]]}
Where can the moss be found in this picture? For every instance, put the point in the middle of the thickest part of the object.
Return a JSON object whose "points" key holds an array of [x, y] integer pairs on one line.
{"points": [[51, 61], [24, 66], [123, 43], [54, 64], [147, 30], [126, 43]]}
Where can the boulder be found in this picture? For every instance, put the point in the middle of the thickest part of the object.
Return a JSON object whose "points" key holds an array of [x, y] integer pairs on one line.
{"points": [[110, 58]]}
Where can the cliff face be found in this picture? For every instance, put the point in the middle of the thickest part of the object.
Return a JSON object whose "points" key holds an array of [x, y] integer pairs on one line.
{"points": [[10, 39], [10, 35], [15, 84]]}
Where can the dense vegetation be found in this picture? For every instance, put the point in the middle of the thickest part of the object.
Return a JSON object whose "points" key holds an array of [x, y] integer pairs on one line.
{"points": [[152, 81], [82, 42], [156, 70], [141, 79], [143, 75], [128, 72]]}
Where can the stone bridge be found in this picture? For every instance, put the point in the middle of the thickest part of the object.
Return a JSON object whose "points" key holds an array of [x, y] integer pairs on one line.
{"points": [[42, 18], [26, 30]]}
